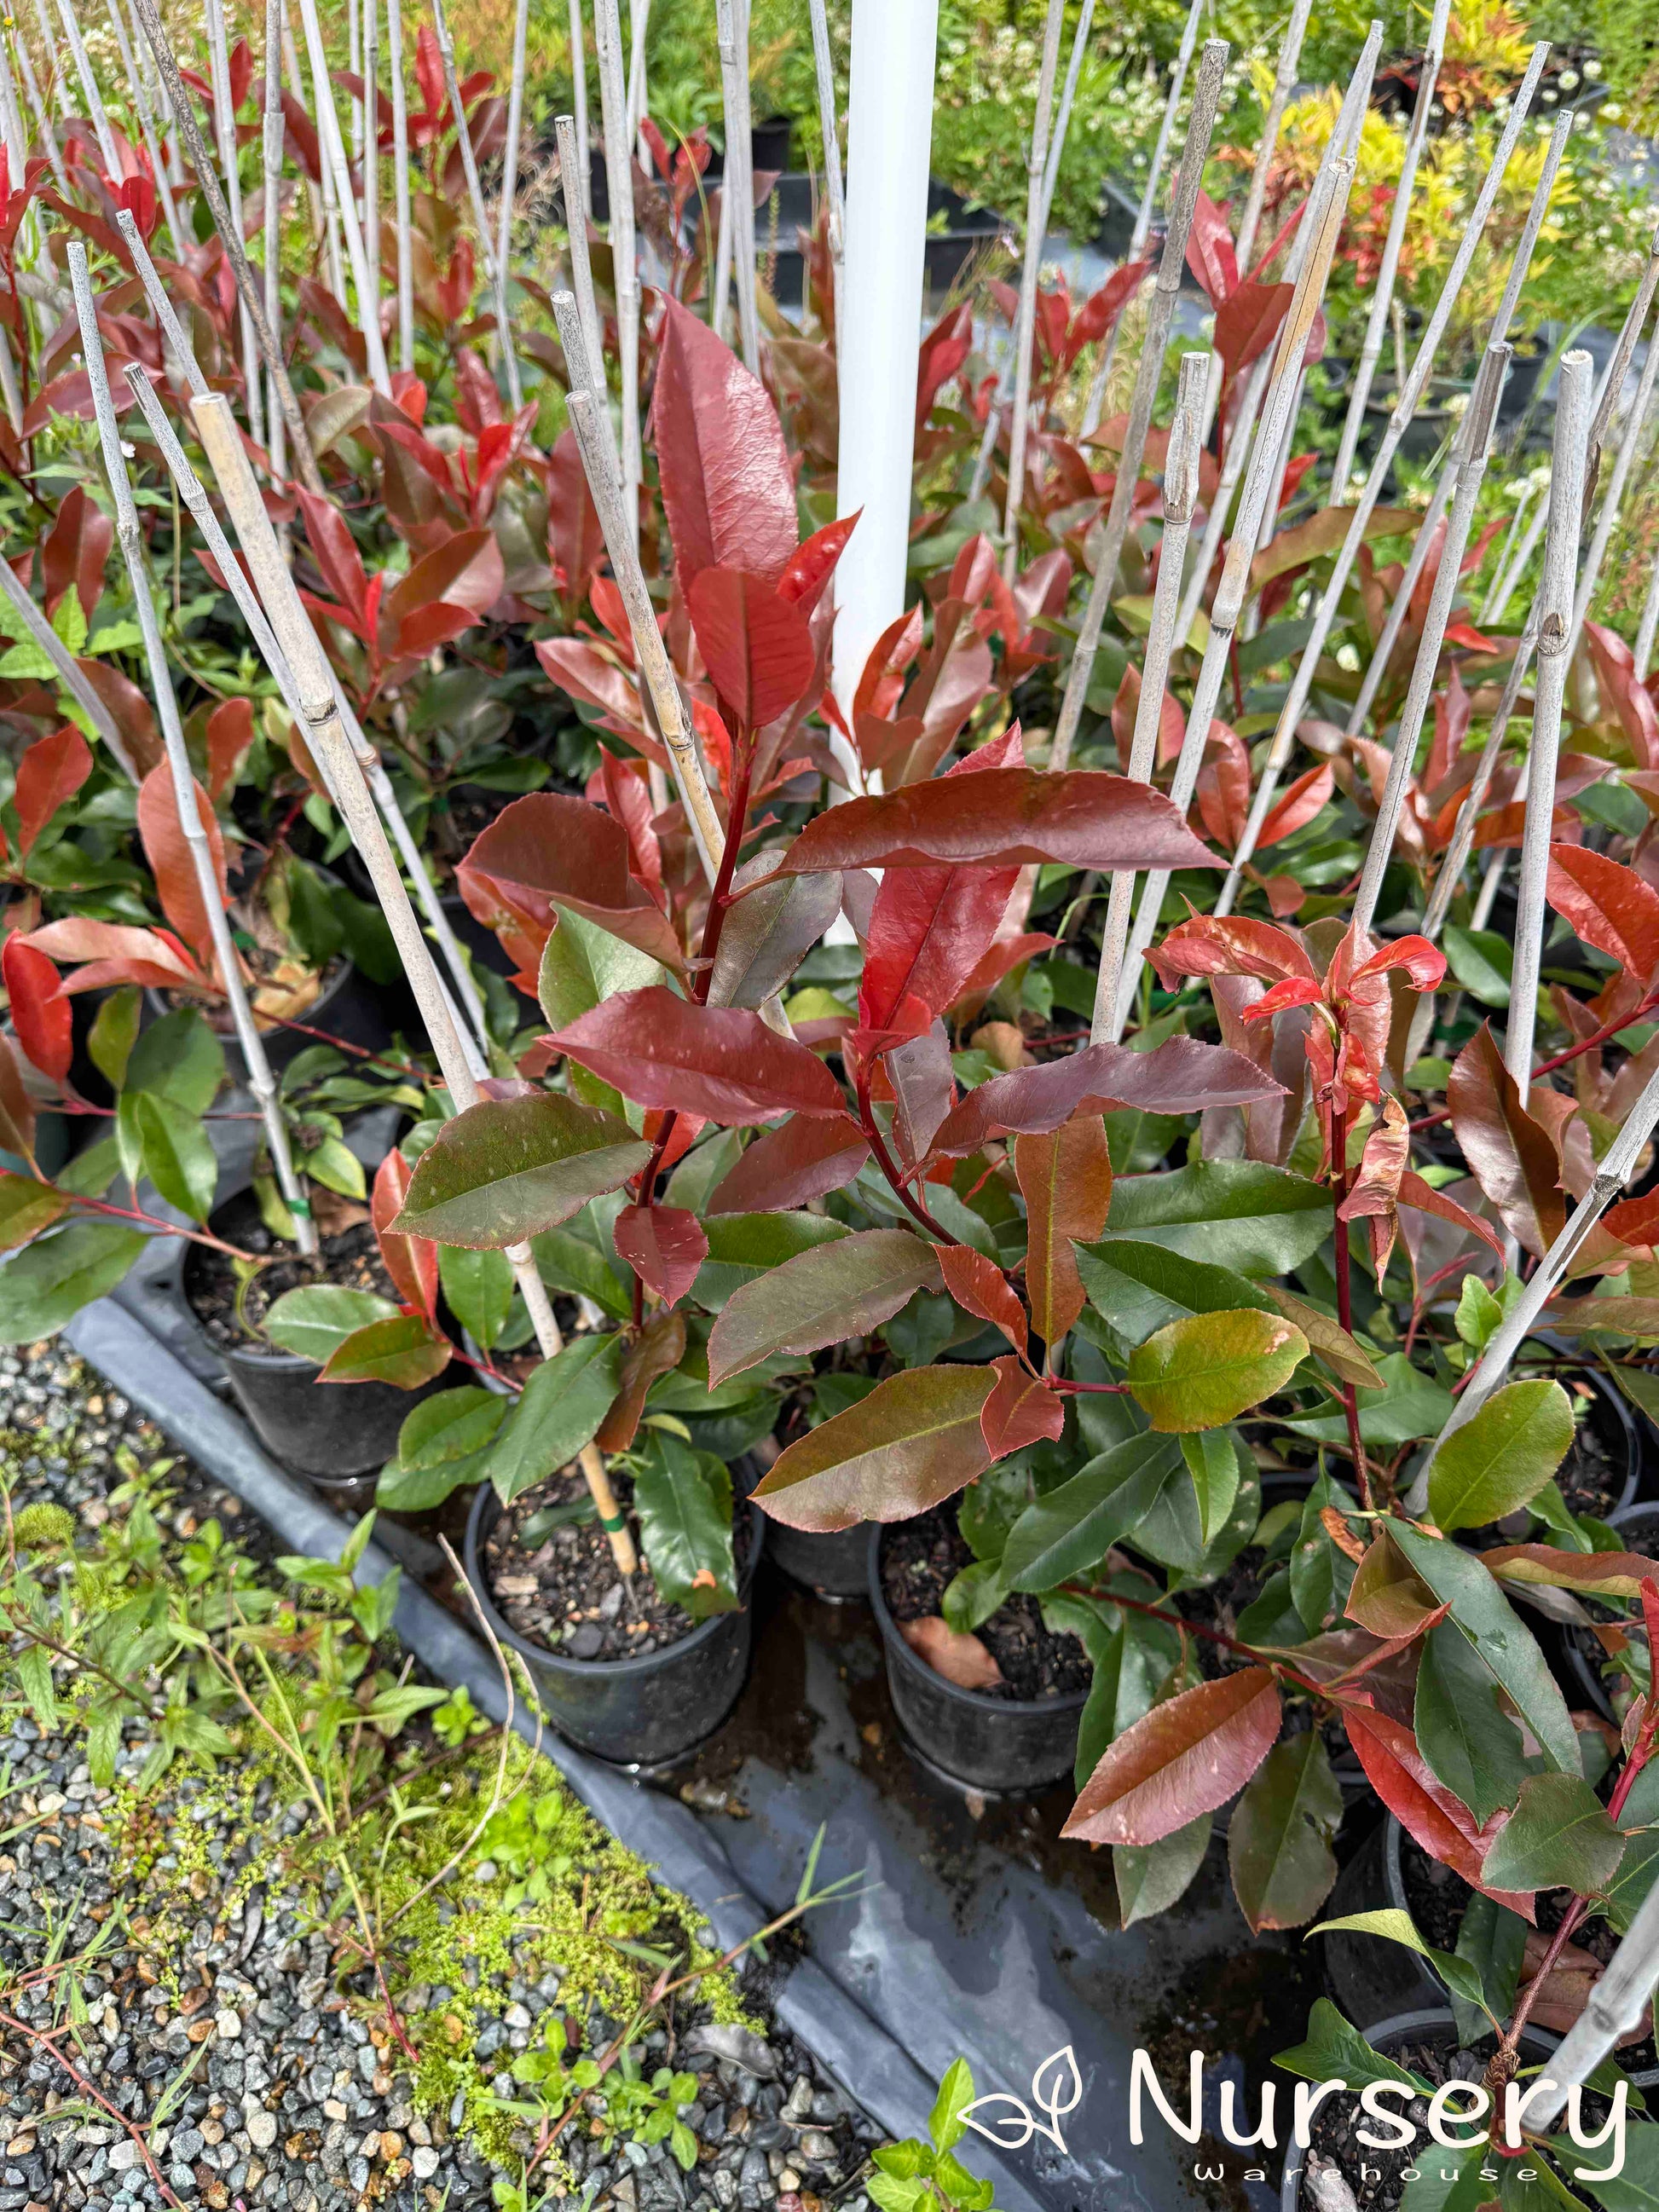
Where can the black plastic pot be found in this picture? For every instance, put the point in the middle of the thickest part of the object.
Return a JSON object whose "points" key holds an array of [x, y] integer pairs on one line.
{"points": [[349, 1006], [1638, 1525], [769, 143], [1432, 2022], [837, 1567], [641, 1712], [987, 1743]]}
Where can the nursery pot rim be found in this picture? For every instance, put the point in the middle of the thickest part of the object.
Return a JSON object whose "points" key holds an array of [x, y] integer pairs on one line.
{"points": [[899, 1652], [266, 1354], [485, 1500]]}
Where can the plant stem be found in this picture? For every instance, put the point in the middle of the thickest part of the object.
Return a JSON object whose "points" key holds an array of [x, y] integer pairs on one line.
{"points": [[1344, 1303], [41, 2037], [889, 1165], [1607, 1031]]}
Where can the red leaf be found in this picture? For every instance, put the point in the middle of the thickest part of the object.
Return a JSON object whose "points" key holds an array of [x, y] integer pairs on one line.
{"points": [[411, 1261], [1509, 1150], [575, 539], [1186, 1756], [1182, 1076], [960, 1658], [1005, 817], [49, 774], [1231, 945], [757, 647], [980, 1287], [1424, 1198], [727, 482], [170, 861], [1248, 321], [665, 1246], [1210, 253], [719, 1061], [1020, 1410], [73, 552], [335, 552], [40, 1013], [1299, 804], [1066, 1180], [1608, 905], [16, 1107], [115, 952], [547, 847], [805, 1159], [809, 569], [1438, 1822], [465, 571], [627, 799], [229, 735]]}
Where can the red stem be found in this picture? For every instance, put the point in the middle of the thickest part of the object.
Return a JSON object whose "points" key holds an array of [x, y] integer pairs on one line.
{"points": [[1345, 1302], [889, 1165], [1574, 1052]]}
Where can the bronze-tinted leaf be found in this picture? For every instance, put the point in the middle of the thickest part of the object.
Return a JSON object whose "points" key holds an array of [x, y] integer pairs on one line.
{"points": [[1066, 1180], [1186, 1756], [915, 1440], [820, 1297]]}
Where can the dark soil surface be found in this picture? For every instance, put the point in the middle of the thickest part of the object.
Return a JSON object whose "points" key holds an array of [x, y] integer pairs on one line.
{"points": [[349, 1259], [279, 990], [563, 1590], [919, 1561], [1593, 1476], [1377, 2177]]}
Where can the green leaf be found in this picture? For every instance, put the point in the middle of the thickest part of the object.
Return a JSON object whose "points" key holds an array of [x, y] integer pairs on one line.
{"points": [[177, 1153], [508, 1168], [1636, 2189], [683, 1499], [1322, 1575], [1151, 1877], [563, 1402], [1232, 1213], [315, 1320], [1169, 1533], [1336, 2050], [1493, 1941], [455, 1424], [477, 1287], [846, 1288], [337, 1167], [1561, 1836], [1064, 1535], [1451, 2180], [1501, 1459], [1498, 1637], [1470, 1745], [1635, 1878], [113, 1033], [955, 2092], [405, 1351], [742, 1247], [1203, 1371], [1394, 1926], [1139, 1287], [1410, 1404], [50, 1280], [1479, 1315], [1212, 1460], [1279, 1839], [417, 1490], [33, 1665], [1482, 961], [583, 964], [26, 1208], [973, 1595], [1135, 1660], [177, 1057]]}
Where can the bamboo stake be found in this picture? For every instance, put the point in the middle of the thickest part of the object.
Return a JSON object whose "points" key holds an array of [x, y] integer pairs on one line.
{"points": [[261, 1082], [1289, 54], [624, 260], [371, 170], [224, 131], [48, 52], [1025, 317], [354, 65], [1648, 625], [394, 41], [327, 738], [1503, 589], [1612, 381], [1183, 199], [1142, 227], [1449, 476], [638, 16], [738, 191], [578, 106], [272, 142], [139, 98], [1326, 605], [1063, 113], [44, 130], [1457, 852], [231, 239], [1482, 414], [335, 165], [195, 497], [1618, 1997], [1377, 323], [1180, 490], [494, 274], [1555, 600], [569, 141], [69, 674], [11, 118], [824, 69], [326, 214], [591, 420], [89, 91], [1322, 219], [1614, 498], [510, 156]]}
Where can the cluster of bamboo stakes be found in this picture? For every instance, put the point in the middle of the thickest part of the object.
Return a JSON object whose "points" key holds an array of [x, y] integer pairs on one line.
{"points": [[351, 223]]}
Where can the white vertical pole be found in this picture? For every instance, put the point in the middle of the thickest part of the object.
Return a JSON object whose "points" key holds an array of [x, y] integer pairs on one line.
{"points": [[394, 50], [890, 111], [579, 105]]}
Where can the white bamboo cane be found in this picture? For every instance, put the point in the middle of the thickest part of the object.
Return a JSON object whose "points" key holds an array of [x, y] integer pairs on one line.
{"points": [[1376, 322], [639, 17], [1572, 420], [624, 257], [1329, 599], [1025, 318], [1511, 539], [335, 165], [69, 674], [1326, 205], [230, 238], [326, 738], [1180, 490], [1613, 498], [495, 273], [195, 497], [1612, 381], [89, 91], [325, 215], [738, 189], [10, 392], [1503, 590], [1143, 225], [824, 67], [1289, 54], [224, 131], [139, 97], [1482, 413], [1063, 111], [1618, 1998], [1468, 814], [591, 420], [273, 138], [394, 47], [578, 105], [510, 154], [371, 156], [43, 125], [261, 1082], [1648, 625], [581, 272], [11, 118], [1184, 199]]}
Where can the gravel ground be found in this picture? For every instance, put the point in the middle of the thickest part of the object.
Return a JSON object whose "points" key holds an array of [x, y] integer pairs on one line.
{"points": [[292, 2099]]}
